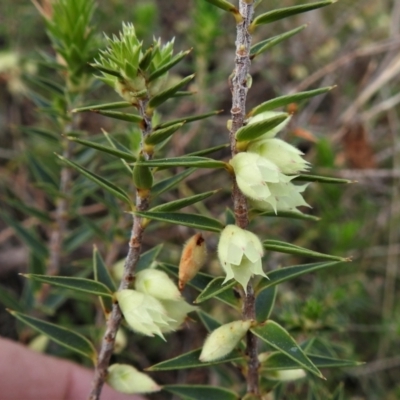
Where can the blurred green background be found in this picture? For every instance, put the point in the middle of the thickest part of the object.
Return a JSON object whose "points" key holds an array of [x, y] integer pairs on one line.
{"points": [[351, 132]]}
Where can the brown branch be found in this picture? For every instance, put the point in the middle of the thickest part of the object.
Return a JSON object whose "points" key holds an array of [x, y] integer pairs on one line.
{"points": [[238, 84], [132, 258]]}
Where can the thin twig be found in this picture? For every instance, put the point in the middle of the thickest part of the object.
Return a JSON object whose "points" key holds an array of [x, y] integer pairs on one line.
{"points": [[135, 243], [238, 83]]}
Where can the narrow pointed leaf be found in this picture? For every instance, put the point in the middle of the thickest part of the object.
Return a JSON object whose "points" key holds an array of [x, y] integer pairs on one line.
{"points": [[193, 220], [42, 216], [201, 392], [160, 135], [101, 272], [47, 84], [181, 203], [169, 183], [280, 13], [288, 99], [187, 119], [105, 149], [214, 288], [277, 337], [265, 45], [198, 162], [287, 248], [163, 96], [183, 93], [191, 360], [265, 302], [120, 115], [166, 67], [210, 323], [106, 106], [110, 187], [107, 70], [208, 151], [321, 179], [43, 133], [257, 129], [28, 237], [279, 361], [62, 336], [288, 214], [285, 274], [77, 284], [148, 257], [223, 5]]}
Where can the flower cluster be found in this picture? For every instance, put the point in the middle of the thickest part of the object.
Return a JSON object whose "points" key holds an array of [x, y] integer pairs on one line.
{"points": [[264, 172], [155, 306]]}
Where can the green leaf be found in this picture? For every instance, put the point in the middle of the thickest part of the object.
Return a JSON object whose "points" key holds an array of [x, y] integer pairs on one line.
{"points": [[28, 237], [193, 220], [285, 274], [187, 201], [163, 96], [105, 149], [224, 5], [187, 120], [110, 187], [278, 361], [169, 183], [257, 129], [287, 248], [287, 214], [264, 45], [76, 284], [106, 106], [148, 257], [46, 84], [214, 288], [107, 70], [321, 179], [62, 336], [210, 323], [201, 280], [201, 392], [102, 275], [191, 360], [210, 150], [167, 66], [120, 115], [160, 135], [288, 99], [9, 299], [277, 337], [42, 216], [265, 302], [281, 13], [197, 162], [101, 272]]}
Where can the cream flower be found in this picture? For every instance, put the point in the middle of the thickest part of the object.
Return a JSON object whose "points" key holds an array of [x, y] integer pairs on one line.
{"points": [[143, 313], [177, 310], [267, 115], [284, 197], [240, 254], [285, 156], [254, 174], [156, 283]]}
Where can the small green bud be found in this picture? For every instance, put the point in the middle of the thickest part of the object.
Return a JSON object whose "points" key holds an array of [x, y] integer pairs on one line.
{"points": [[156, 283], [223, 340]]}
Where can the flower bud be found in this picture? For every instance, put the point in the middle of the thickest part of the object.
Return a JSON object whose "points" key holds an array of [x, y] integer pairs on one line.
{"points": [[254, 174], [223, 340], [240, 253], [285, 156], [127, 379], [156, 283], [286, 375], [120, 341], [142, 312], [142, 176], [194, 255]]}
